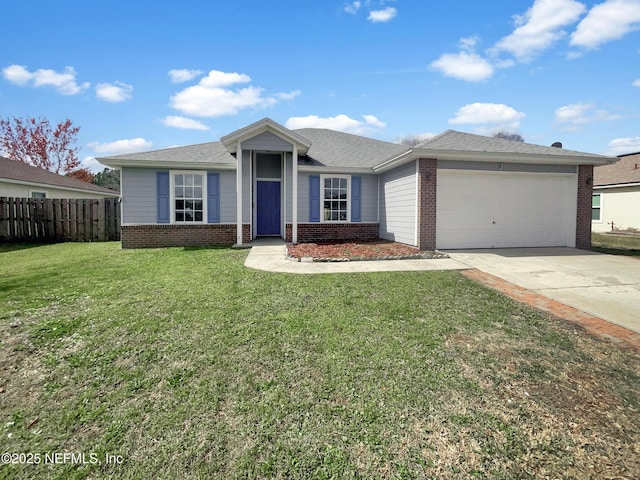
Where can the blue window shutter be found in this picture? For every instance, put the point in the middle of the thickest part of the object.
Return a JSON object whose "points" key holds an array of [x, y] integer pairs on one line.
{"points": [[162, 188], [314, 198], [213, 197], [356, 189]]}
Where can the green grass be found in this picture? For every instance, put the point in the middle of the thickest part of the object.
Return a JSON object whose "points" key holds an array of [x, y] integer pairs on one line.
{"points": [[628, 245], [188, 365]]}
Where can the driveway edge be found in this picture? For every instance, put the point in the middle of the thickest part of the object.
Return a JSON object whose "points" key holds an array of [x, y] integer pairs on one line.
{"points": [[594, 325]]}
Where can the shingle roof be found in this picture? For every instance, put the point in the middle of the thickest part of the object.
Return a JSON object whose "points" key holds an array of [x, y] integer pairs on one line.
{"points": [[625, 170], [212, 152], [453, 140], [14, 170], [330, 148], [337, 149]]}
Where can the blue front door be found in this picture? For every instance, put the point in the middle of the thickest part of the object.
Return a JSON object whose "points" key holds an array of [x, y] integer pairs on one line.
{"points": [[268, 205]]}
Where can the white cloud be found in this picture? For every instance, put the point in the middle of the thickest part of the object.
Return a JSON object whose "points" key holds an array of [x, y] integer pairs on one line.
{"points": [[607, 21], [118, 147], [341, 123], [288, 96], [540, 27], [352, 7], [384, 15], [92, 164], [218, 79], [467, 66], [622, 146], [214, 97], [576, 115], [183, 123], [636, 83], [64, 83], [495, 115], [183, 75], [114, 92]]}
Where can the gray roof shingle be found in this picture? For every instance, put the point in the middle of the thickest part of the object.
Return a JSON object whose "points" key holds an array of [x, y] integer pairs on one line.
{"points": [[453, 140], [14, 170], [625, 170], [337, 149], [212, 152]]}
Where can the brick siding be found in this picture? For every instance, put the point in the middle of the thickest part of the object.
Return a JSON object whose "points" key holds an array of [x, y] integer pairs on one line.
{"points": [[427, 185], [314, 232], [583, 214], [150, 236]]}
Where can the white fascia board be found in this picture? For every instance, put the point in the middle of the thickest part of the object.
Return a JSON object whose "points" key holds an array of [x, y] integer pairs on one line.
{"points": [[57, 187], [616, 185], [118, 163], [330, 170], [487, 157]]}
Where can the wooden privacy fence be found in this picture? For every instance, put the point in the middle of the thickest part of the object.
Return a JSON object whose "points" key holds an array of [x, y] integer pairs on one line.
{"points": [[59, 220]]}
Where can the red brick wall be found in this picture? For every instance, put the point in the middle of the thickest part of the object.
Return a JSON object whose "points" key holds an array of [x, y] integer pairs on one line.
{"points": [[427, 182], [314, 232], [146, 236], [583, 214]]}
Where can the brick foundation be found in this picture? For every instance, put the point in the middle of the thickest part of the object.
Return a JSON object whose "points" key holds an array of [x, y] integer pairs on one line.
{"points": [[150, 236], [314, 232], [583, 213], [427, 183]]}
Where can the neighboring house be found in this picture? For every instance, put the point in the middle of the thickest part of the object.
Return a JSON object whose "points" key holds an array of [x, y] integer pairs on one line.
{"points": [[616, 195], [20, 180], [456, 190]]}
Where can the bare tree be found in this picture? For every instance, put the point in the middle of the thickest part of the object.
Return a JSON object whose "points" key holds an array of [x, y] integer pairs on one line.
{"points": [[413, 140], [516, 137]]}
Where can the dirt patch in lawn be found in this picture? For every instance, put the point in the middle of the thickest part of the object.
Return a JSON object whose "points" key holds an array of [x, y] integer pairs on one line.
{"points": [[357, 250]]}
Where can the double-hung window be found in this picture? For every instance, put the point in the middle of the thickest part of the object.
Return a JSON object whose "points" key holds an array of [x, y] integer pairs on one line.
{"points": [[596, 207], [188, 202], [335, 198]]}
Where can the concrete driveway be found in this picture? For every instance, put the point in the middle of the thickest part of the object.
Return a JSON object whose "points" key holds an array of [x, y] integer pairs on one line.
{"points": [[606, 286]]}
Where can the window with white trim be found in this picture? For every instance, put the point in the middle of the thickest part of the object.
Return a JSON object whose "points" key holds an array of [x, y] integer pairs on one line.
{"points": [[188, 197], [596, 207], [335, 198], [35, 194]]}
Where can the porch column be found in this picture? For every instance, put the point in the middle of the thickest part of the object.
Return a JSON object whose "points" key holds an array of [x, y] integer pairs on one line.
{"points": [[239, 193], [294, 194]]}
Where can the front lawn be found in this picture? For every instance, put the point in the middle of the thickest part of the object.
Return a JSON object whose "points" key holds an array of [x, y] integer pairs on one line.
{"points": [[622, 244], [181, 363]]}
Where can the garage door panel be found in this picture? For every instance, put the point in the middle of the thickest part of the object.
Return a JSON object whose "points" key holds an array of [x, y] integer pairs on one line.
{"points": [[495, 210]]}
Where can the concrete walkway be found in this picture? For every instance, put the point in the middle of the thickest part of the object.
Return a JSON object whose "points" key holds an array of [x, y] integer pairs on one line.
{"points": [[269, 255], [604, 286]]}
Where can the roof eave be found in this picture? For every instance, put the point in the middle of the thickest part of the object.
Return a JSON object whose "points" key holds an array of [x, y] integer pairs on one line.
{"points": [[479, 156], [330, 169], [616, 185], [129, 162], [58, 187]]}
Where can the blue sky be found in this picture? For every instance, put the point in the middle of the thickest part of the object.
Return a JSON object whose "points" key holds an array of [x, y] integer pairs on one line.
{"points": [[141, 75]]}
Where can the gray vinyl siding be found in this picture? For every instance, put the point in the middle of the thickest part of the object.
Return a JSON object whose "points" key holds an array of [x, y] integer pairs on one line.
{"points": [[288, 176], [398, 204], [246, 187], [303, 197], [228, 196], [139, 196], [368, 196], [505, 167], [139, 202], [267, 141]]}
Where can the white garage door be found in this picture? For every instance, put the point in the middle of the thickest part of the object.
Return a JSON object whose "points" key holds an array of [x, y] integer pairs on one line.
{"points": [[493, 210]]}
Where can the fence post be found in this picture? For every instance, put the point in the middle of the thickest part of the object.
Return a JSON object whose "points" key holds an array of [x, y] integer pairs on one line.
{"points": [[4, 218]]}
